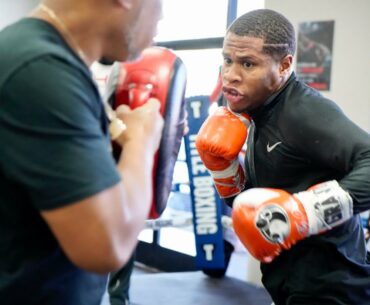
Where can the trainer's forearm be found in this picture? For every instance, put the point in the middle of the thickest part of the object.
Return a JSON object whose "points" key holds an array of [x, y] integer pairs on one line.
{"points": [[135, 166]]}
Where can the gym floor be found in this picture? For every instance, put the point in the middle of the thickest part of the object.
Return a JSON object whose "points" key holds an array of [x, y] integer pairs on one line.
{"points": [[150, 287], [241, 285]]}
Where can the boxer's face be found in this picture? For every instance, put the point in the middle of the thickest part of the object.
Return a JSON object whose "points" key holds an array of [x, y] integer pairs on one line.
{"points": [[249, 75]]}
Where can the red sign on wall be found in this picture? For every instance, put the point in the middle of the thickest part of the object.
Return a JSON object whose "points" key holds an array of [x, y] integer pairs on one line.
{"points": [[314, 53]]}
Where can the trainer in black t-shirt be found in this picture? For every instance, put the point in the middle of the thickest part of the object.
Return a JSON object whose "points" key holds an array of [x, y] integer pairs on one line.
{"points": [[54, 151]]}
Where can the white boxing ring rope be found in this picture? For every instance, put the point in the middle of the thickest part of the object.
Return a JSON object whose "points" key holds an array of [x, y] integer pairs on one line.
{"points": [[178, 222]]}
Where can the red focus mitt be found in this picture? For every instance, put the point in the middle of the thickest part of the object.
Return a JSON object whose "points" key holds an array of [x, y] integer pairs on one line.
{"points": [[160, 74]]}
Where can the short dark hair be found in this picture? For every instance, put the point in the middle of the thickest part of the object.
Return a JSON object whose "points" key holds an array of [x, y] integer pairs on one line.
{"points": [[275, 29]]}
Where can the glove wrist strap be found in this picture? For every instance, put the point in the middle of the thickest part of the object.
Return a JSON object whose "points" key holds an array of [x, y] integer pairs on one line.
{"points": [[327, 205], [231, 171]]}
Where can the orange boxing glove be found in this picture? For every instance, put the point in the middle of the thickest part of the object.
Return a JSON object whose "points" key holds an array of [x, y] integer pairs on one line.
{"points": [[268, 221], [219, 141]]}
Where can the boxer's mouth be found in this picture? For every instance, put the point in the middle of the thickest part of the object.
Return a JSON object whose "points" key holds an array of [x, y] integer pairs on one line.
{"points": [[231, 91], [232, 95]]}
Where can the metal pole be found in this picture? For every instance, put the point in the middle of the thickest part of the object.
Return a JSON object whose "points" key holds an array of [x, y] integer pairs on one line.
{"points": [[232, 10]]}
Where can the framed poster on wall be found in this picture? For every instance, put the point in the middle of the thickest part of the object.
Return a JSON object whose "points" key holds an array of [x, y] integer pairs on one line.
{"points": [[315, 53]]}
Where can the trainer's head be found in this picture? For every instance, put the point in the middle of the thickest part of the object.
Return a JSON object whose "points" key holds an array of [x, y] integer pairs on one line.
{"points": [[114, 29], [258, 52], [131, 27]]}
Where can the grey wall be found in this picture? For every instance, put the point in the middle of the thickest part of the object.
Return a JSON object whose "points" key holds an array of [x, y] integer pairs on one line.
{"points": [[12, 10], [350, 77]]}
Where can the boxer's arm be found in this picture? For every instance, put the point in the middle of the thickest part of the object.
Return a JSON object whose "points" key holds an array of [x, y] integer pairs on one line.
{"points": [[334, 141]]}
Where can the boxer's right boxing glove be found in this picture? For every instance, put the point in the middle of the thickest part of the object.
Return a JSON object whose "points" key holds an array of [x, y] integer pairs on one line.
{"points": [[219, 141], [268, 221]]}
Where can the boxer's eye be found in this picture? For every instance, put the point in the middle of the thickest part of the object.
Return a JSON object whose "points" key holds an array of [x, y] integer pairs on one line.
{"points": [[247, 64], [227, 61]]}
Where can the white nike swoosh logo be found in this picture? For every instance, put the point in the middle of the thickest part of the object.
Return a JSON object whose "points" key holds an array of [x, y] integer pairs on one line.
{"points": [[271, 148]]}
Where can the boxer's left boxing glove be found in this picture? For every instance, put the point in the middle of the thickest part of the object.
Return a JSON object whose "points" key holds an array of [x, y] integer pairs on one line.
{"points": [[268, 221], [219, 141], [158, 73]]}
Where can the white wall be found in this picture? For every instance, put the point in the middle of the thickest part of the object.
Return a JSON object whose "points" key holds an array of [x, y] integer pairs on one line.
{"points": [[12, 10], [350, 77]]}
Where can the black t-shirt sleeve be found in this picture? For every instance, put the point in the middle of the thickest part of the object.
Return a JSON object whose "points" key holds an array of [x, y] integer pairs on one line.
{"points": [[53, 141], [321, 131]]}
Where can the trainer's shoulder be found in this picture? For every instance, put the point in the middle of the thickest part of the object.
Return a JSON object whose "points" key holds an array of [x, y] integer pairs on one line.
{"points": [[27, 41]]}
